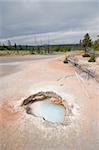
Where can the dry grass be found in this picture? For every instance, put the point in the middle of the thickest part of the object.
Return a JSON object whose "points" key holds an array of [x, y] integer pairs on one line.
{"points": [[13, 52]]}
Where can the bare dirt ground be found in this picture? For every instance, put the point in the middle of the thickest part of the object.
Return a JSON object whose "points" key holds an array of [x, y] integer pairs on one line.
{"points": [[21, 131]]}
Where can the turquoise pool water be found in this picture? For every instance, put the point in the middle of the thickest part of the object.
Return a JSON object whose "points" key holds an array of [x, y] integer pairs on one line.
{"points": [[49, 111]]}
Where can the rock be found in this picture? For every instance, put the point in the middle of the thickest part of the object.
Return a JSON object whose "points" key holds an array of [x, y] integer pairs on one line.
{"points": [[41, 97], [65, 103], [55, 101]]}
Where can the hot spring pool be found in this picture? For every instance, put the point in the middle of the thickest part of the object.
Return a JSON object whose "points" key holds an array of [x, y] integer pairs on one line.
{"points": [[49, 111], [47, 105]]}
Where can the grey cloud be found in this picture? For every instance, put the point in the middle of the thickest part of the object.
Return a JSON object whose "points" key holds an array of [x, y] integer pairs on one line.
{"points": [[28, 17]]}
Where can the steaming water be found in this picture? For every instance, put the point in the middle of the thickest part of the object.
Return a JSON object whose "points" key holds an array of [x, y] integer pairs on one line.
{"points": [[49, 111]]}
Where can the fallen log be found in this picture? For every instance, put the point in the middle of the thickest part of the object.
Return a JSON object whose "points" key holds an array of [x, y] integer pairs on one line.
{"points": [[84, 68]]}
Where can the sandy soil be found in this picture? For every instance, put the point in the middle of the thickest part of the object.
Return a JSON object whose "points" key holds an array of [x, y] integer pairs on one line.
{"points": [[21, 131]]}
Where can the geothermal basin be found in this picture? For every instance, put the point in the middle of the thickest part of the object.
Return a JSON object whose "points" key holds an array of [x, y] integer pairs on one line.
{"points": [[22, 127]]}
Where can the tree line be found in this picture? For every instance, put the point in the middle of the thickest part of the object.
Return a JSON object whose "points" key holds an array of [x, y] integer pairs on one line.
{"points": [[39, 48], [85, 43]]}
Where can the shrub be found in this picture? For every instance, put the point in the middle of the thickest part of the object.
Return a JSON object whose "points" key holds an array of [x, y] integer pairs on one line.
{"points": [[92, 59], [66, 60], [69, 49]]}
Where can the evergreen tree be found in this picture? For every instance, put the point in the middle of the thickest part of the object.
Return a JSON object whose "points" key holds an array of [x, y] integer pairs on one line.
{"points": [[86, 42]]}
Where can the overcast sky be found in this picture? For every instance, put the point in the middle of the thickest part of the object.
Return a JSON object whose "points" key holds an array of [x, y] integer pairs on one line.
{"points": [[40, 21]]}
